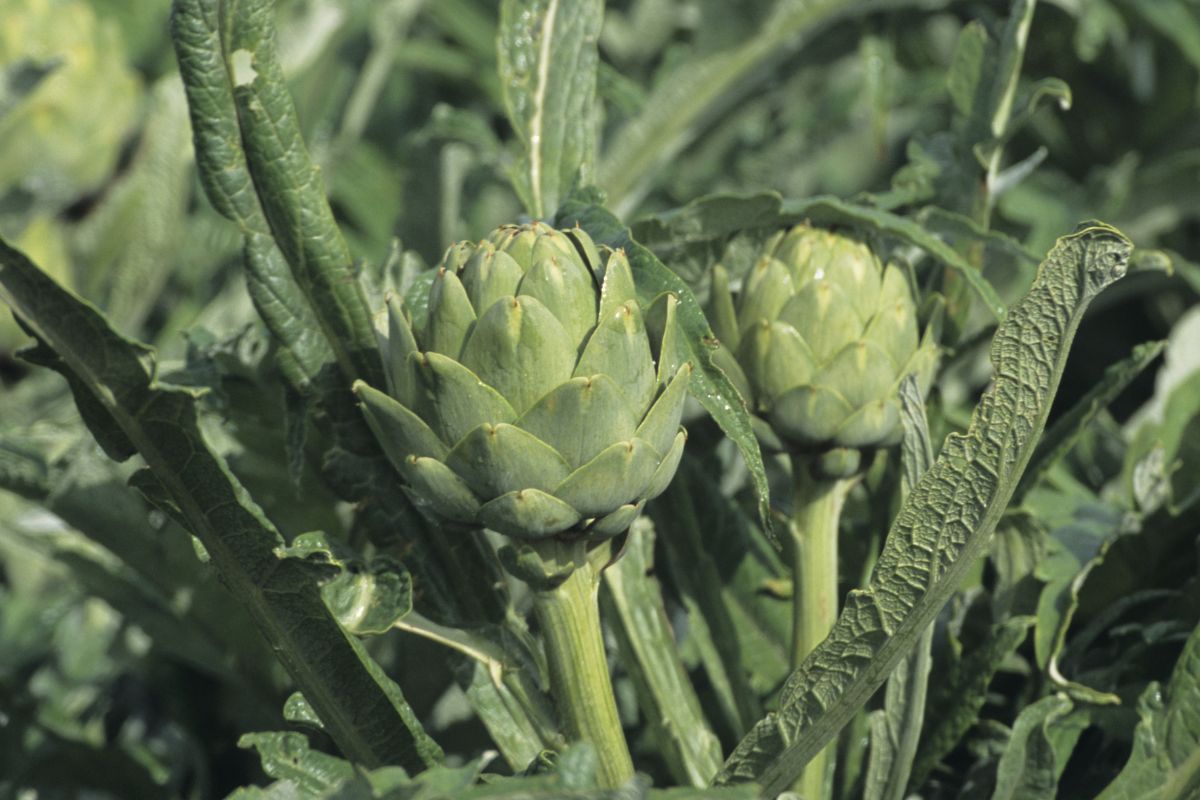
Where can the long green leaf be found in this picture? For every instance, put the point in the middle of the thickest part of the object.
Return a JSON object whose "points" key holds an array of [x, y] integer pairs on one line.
{"points": [[287, 756], [668, 701], [257, 169], [709, 384], [547, 54], [131, 411], [305, 348], [1165, 763], [946, 521], [290, 189]]}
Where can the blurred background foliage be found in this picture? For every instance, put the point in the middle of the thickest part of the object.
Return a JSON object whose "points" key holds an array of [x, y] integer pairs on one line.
{"points": [[123, 665]]}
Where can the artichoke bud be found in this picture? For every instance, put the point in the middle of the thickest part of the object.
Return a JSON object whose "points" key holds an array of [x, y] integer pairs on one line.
{"points": [[819, 338], [532, 400]]}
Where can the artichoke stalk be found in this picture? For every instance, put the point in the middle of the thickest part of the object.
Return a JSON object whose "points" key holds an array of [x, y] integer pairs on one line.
{"points": [[529, 401], [818, 342]]}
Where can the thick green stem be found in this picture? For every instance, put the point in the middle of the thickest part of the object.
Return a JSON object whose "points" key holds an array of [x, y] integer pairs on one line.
{"points": [[814, 546], [570, 621]]}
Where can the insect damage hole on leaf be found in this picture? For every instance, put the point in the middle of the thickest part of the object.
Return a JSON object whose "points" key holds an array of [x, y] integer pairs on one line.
{"points": [[241, 64]]}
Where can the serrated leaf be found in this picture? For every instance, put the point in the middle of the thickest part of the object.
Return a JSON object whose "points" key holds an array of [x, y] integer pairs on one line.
{"points": [[1073, 549], [364, 711], [1044, 89], [369, 602], [962, 227], [1018, 550], [945, 523], [1160, 464], [708, 384], [547, 53], [298, 710]]}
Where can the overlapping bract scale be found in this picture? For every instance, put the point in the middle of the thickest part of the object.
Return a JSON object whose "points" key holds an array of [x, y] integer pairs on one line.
{"points": [[530, 401], [820, 337]]}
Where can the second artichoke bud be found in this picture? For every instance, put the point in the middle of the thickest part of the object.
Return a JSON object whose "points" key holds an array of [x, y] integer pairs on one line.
{"points": [[822, 334], [529, 401]]}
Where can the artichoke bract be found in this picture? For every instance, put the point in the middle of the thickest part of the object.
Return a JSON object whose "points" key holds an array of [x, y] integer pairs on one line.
{"points": [[529, 400], [820, 338]]}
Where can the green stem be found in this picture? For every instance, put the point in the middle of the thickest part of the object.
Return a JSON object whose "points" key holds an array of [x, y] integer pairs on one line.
{"points": [[814, 545], [569, 616]]}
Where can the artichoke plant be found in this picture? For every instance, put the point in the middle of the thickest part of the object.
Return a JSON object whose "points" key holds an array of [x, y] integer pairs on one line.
{"points": [[818, 343], [823, 334], [528, 400]]}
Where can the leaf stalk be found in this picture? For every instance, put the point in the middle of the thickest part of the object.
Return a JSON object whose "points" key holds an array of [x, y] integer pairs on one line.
{"points": [[813, 535], [569, 615]]}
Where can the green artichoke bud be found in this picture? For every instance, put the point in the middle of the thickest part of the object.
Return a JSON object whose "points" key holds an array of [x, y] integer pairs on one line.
{"points": [[529, 401], [821, 336]]}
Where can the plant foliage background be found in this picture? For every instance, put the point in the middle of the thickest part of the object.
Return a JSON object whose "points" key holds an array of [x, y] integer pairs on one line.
{"points": [[964, 137]]}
